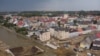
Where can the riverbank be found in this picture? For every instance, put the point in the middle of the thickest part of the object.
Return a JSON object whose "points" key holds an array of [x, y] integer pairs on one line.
{"points": [[12, 31]]}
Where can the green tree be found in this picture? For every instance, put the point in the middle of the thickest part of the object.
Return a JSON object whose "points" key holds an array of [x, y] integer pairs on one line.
{"points": [[9, 25], [82, 13], [1, 19], [22, 30]]}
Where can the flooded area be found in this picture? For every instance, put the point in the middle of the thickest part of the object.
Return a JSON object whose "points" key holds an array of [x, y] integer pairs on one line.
{"points": [[12, 39]]}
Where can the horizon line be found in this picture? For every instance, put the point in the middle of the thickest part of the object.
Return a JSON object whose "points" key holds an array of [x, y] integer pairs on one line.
{"points": [[49, 10]]}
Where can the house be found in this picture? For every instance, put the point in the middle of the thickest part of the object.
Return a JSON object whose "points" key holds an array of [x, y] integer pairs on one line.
{"points": [[63, 21], [26, 22], [86, 32], [93, 26], [52, 31], [65, 16], [15, 21], [8, 15], [86, 43], [34, 25], [83, 26], [71, 19], [20, 23], [73, 34], [96, 44], [98, 34], [81, 31], [11, 20], [44, 36], [52, 23], [61, 34], [98, 27], [30, 33]]}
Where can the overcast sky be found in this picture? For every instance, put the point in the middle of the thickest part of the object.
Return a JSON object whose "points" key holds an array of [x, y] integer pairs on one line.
{"points": [[49, 5]]}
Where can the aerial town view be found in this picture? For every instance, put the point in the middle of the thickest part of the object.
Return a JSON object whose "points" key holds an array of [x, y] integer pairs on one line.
{"points": [[49, 27]]}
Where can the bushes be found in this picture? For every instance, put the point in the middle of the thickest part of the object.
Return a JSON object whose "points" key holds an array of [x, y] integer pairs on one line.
{"points": [[8, 25], [12, 26], [1, 19], [21, 30]]}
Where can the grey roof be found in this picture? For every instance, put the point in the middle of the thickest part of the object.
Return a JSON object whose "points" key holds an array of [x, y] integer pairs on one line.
{"points": [[59, 29], [96, 42], [89, 39], [95, 48], [43, 31]]}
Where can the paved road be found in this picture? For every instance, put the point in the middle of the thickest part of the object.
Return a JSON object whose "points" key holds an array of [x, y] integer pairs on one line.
{"points": [[15, 40]]}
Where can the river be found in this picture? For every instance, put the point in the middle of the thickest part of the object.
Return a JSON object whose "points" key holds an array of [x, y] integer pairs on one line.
{"points": [[14, 40]]}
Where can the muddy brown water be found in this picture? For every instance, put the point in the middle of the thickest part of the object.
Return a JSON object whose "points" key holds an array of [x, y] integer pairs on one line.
{"points": [[15, 40], [12, 39]]}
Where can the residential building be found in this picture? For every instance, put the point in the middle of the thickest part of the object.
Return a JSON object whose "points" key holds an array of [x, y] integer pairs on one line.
{"points": [[96, 44], [61, 34], [44, 36], [86, 43]]}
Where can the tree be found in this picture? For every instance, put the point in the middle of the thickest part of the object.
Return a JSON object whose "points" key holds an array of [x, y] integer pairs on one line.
{"points": [[75, 22], [22, 30], [82, 13], [1, 19], [9, 25], [6, 21]]}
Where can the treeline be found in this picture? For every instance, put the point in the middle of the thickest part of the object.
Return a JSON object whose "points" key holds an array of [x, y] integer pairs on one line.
{"points": [[57, 13], [52, 13], [41, 13]]}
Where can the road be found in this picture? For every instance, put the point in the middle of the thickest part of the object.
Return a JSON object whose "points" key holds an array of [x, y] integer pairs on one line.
{"points": [[14, 40]]}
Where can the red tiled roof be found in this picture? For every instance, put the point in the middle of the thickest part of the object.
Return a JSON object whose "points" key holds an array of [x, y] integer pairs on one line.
{"points": [[20, 22], [63, 19], [98, 35], [49, 20]]}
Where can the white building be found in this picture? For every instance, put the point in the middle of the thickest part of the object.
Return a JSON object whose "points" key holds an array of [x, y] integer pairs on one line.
{"points": [[45, 36], [61, 34], [15, 21], [98, 27], [96, 44], [52, 31], [71, 19], [9, 15], [30, 34], [66, 16]]}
